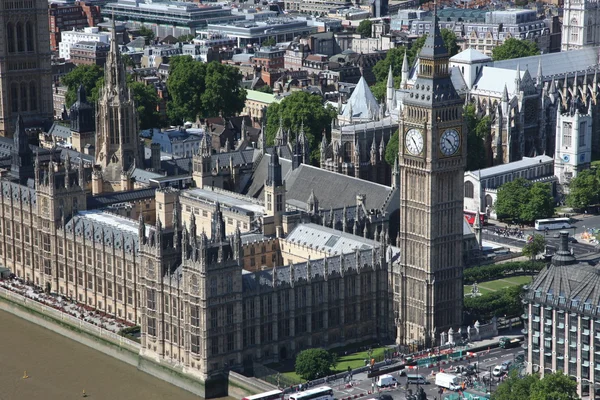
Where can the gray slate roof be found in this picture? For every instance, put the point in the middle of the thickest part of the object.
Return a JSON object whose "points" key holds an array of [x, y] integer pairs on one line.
{"points": [[60, 130], [25, 193], [328, 239], [109, 229], [257, 183], [334, 190], [107, 199], [554, 64], [524, 163], [241, 157]]}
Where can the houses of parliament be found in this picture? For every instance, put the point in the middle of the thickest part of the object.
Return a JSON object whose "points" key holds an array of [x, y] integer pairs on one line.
{"points": [[216, 278]]}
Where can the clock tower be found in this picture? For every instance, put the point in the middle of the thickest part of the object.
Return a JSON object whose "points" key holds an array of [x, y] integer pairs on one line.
{"points": [[428, 284]]}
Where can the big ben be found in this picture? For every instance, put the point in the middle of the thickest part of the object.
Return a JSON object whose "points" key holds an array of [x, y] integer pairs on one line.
{"points": [[432, 156]]}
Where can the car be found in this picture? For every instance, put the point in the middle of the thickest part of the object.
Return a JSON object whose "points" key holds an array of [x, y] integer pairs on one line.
{"points": [[556, 235], [506, 365], [498, 371], [572, 240]]}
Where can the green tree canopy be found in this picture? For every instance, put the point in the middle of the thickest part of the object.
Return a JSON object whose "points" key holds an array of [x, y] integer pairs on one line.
{"points": [[584, 189], [270, 41], [394, 57], [502, 302], [515, 48], [186, 38], [478, 131], [200, 90], [553, 386], [535, 246], [146, 102], [364, 28], [300, 108], [90, 76], [147, 33], [314, 363], [523, 201], [391, 151]]}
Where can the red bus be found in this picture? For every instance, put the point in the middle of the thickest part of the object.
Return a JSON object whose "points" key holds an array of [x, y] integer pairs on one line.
{"points": [[470, 216]]}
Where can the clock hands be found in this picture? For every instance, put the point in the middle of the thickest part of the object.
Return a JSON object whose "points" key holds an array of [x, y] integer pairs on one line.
{"points": [[449, 142], [414, 142]]}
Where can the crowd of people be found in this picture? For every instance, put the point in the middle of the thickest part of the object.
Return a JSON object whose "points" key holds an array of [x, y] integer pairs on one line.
{"points": [[65, 305], [509, 231]]}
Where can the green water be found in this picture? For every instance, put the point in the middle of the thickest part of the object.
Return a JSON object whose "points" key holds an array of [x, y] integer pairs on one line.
{"points": [[61, 369]]}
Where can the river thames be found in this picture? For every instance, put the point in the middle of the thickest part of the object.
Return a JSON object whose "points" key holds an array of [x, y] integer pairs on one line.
{"points": [[61, 369]]}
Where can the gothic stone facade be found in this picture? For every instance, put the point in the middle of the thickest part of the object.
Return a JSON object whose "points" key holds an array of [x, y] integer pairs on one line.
{"points": [[25, 73]]}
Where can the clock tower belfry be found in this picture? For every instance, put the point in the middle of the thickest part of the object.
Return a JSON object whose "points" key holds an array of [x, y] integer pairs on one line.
{"points": [[428, 283]]}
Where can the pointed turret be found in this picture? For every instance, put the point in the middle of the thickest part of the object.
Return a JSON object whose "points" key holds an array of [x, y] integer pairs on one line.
{"points": [[405, 71], [518, 79], [396, 174], [390, 86], [22, 165], [313, 203], [280, 136], [141, 229], [81, 170], [323, 148], [539, 78], [382, 148], [274, 175]]}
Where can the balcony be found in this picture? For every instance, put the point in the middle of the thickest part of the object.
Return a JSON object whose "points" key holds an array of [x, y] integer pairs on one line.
{"points": [[524, 316], [573, 360], [573, 328], [525, 346], [524, 331], [548, 322]]}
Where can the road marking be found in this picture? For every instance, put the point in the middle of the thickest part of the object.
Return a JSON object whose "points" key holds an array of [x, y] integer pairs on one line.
{"points": [[490, 359]]}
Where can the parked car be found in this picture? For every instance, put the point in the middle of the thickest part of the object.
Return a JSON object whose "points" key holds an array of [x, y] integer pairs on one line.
{"points": [[498, 371], [572, 240], [506, 365]]}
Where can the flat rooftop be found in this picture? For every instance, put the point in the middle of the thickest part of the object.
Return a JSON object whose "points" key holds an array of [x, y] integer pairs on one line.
{"points": [[226, 200]]}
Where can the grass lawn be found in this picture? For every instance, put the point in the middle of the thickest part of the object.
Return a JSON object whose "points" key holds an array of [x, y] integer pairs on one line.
{"points": [[354, 360], [498, 284]]}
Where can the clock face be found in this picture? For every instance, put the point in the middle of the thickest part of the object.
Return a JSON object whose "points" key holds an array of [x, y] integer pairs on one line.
{"points": [[414, 141], [449, 142]]}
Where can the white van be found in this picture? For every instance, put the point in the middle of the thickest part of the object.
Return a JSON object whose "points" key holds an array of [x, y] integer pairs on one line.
{"points": [[447, 381], [386, 380]]}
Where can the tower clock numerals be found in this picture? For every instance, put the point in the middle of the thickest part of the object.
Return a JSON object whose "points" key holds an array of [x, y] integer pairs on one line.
{"points": [[449, 142], [414, 141]]}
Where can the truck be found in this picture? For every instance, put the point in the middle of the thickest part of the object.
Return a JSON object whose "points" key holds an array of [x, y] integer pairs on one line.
{"points": [[447, 381], [507, 343]]}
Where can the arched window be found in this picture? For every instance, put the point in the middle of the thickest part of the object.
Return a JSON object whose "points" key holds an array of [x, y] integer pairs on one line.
{"points": [[10, 37], [29, 35], [24, 96], [32, 96], [469, 189], [20, 37], [14, 97]]}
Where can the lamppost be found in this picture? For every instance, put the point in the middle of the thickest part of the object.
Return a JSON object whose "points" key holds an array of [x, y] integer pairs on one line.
{"points": [[490, 368]]}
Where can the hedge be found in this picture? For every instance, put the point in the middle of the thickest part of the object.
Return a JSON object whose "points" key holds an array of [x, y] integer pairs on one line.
{"points": [[498, 271]]}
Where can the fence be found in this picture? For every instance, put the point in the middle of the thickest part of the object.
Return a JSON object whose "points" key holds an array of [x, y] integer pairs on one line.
{"points": [[273, 377], [71, 320], [465, 396]]}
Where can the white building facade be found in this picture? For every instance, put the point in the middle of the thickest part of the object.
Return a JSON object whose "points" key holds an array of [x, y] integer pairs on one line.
{"points": [[573, 142], [69, 38], [581, 19]]}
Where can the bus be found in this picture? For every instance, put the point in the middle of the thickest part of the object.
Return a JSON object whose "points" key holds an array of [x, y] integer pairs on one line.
{"points": [[272, 395], [552, 223], [470, 216], [320, 393]]}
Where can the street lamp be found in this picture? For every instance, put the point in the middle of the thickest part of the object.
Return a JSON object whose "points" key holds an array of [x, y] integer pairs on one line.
{"points": [[490, 368]]}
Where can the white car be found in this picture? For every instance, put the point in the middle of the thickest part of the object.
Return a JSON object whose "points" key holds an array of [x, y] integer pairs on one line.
{"points": [[498, 371]]}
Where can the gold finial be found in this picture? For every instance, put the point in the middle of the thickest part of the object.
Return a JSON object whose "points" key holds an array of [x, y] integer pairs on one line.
{"points": [[25, 376]]}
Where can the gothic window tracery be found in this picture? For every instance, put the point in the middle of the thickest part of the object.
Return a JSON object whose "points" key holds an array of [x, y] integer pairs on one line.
{"points": [[24, 91], [32, 96], [29, 35], [20, 37], [10, 37], [469, 189], [14, 94]]}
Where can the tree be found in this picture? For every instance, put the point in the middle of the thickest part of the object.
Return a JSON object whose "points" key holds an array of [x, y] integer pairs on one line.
{"points": [[364, 28], [523, 201], [301, 109], [90, 76], [391, 151], [478, 130], [503, 302], [515, 387], [514, 48], [265, 89], [147, 33], [584, 189], [539, 204], [557, 386], [186, 38], [535, 246], [394, 57], [270, 41], [553, 386], [200, 90], [314, 363], [127, 61], [146, 102]]}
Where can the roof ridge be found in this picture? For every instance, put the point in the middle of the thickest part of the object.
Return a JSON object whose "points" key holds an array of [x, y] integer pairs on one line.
{"points": [[345, 176]]}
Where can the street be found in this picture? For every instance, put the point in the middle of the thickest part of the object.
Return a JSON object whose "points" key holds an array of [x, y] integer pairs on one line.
{"points": [[362, 385]]}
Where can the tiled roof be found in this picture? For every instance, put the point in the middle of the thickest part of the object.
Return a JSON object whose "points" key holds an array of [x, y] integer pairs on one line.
{"points": [[526, 162], [143, 176], [25, 193], [470, 55], [60, 130], [493, 79], [257, 182], [327, 239], [362, 103]]}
